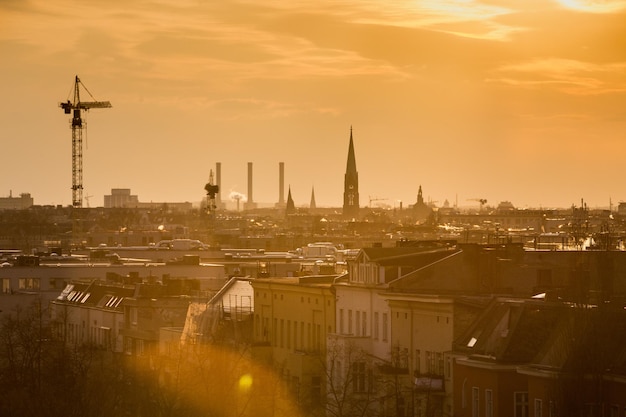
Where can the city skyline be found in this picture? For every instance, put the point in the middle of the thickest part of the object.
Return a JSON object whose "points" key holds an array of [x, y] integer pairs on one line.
{"points": [[469, 99]]}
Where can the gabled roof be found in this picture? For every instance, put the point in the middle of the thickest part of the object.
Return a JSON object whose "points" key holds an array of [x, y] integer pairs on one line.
{"points": [[229, 284], [404, 255]]}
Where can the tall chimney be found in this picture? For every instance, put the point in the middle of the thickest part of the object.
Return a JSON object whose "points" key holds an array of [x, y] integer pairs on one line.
{"points": [[281, 184], [250, 199], [250, 202], [218, 182]]}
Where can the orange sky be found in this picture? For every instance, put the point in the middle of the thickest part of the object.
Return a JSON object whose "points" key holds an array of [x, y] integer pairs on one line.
{"points": [[523, 101]]}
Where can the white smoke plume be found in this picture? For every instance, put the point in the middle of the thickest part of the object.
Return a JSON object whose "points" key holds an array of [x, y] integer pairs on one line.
{"points": [[237, 196]]}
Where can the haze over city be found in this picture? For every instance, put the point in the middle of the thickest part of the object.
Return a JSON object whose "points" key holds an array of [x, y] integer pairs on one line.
{"points": [[501, 100]]}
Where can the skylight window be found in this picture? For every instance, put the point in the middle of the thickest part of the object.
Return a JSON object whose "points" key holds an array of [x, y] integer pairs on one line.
{"points": [[472, 342]]}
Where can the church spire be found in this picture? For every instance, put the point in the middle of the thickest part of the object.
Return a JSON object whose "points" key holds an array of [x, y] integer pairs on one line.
{"points": [[312, 206], [351, 165], [291, 207], [351, 184]]}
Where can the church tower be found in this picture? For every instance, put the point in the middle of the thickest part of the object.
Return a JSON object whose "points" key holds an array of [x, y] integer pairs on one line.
{"points": [[351, 184]]}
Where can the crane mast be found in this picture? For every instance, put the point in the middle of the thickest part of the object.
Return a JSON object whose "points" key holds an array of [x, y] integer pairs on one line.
{"points": [[75, 107], [211, 191]]}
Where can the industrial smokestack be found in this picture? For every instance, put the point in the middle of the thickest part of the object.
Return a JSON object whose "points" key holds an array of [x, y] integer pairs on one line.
{"points": [[250, 204], [250, 199], [281, 184], [218, 182]]}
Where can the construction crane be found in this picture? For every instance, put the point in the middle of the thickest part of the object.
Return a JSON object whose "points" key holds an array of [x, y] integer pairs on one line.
{"points": [[75, 107], [372, 199], [481, 201], [211, 191]]}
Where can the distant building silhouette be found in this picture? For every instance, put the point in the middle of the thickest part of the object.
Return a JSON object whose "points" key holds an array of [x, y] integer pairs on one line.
{"points": [[120, 197], [421, 211], [351, 184], [24, 201]]}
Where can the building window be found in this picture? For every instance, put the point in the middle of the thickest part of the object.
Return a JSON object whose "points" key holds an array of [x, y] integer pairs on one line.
{"points": [[434, 363], [385, 327], [318, 337], [133, 315], [337, 374], [349, 321], [309, 339], [488, 403], [520, 404], [295, 335], [316, 390], [56, 283], [475, 401], [418, 360], [6, 285], [266, 329], [341, 321], [538, 408], [359, 377], [439, 368], [358, 323], [552, 409], [28, 283], [376, 325], [364, 324]]}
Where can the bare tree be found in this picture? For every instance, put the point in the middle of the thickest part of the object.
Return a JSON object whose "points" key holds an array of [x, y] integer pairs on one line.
{"points": [[351, 388]]}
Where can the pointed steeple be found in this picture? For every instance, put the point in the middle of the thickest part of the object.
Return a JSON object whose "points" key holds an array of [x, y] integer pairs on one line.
{"points": [[351, 184], [312, 206], [291, 207], [351, 165], [420, 197]]}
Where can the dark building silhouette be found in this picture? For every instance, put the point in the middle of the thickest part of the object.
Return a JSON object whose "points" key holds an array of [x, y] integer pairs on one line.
{"points": [[421, 211], [351, 184]]}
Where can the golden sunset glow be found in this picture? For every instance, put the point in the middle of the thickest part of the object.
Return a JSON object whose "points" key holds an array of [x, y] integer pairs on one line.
{"points": [[498, 99], [594, 6]]}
